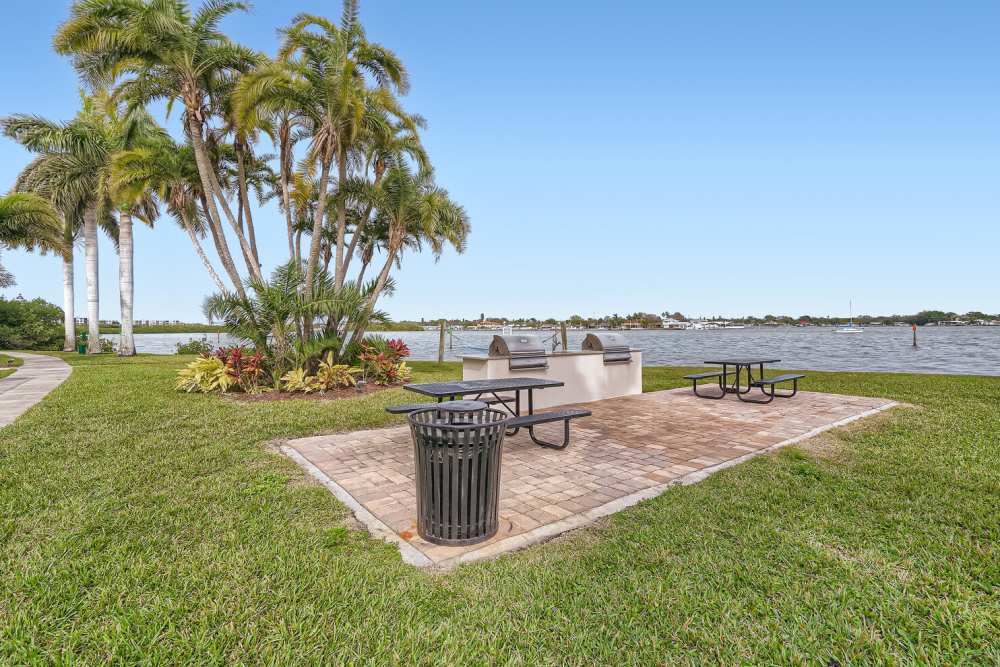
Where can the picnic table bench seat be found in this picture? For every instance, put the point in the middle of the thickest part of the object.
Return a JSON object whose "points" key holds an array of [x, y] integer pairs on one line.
{"points": [[788, 377], [694, 377], [530, 421], [772, 382]]}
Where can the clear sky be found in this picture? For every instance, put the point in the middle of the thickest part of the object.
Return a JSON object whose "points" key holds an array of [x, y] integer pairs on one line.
{"points": [[714, 158]]}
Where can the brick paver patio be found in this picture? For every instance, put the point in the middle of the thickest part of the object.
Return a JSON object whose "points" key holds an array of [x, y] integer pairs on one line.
{"points": [[632, 448]]}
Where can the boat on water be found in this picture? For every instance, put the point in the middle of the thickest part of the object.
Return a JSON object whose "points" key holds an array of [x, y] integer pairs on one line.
{"points": [[851, 327]]}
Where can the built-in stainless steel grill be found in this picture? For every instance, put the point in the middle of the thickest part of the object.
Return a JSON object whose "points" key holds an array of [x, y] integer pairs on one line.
{"points": [[613, 345], [526, 351]]}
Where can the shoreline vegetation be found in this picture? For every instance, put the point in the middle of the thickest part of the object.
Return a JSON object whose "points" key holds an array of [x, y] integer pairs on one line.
{"points": [[666, 320], [185, 328], [195, 538]]}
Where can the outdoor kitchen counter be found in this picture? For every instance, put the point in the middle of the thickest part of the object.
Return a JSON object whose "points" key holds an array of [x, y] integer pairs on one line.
{"points": [[571, 353], [585, 375]]}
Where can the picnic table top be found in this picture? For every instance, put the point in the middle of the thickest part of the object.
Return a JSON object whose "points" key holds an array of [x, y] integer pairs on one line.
{"points": [[744, 361], [439, 389]]}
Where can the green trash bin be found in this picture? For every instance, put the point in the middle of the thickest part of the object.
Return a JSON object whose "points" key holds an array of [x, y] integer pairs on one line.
{"points": [[81, 345]]}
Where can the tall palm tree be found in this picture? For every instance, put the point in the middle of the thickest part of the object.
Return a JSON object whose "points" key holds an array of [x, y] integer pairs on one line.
{"points": [[159, 49], [68, 173], [125, 129], [322, 77], [256, 105], [168, 170]]}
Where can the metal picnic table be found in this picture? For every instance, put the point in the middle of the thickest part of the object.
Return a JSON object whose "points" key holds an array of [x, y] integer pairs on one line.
{"points": [[478, 388], [741, 363]]}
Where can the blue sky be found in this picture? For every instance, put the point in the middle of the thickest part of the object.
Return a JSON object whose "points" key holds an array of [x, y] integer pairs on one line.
{"points": [[715, 158]]}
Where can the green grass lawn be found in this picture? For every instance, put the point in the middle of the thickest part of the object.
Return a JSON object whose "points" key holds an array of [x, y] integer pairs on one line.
{"points": [[5, 367], [138, 525]]}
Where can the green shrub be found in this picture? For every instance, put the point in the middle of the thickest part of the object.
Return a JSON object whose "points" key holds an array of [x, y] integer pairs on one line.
{"points": [[30, 325], [382, 360], [336, 376], [297, 380], [195, 347], [205, 375]]}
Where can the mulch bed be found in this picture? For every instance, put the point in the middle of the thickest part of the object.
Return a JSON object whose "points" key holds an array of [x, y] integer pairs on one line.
{"points": [[332, 395]]}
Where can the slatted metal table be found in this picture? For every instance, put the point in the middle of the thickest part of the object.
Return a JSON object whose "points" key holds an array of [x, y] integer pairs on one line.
{"points": [[741, 363], [452, 391]]}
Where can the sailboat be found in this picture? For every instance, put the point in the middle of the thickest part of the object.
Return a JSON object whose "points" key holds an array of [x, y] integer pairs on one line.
{"points": [[851, 326]]}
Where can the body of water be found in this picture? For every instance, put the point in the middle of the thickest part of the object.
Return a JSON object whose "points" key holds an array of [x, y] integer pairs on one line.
{"points": [[965, 350]]}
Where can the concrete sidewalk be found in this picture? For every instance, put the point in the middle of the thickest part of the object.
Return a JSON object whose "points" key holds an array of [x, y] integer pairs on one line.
{"points": [[29, 384]]}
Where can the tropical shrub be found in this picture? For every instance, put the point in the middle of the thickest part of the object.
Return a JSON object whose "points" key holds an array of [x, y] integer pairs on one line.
{"points": [[328, 376], [270, 317], [229, 369], [30, 325], [195, 347], [335, 376], [247, 369], [382, 361], [205, 375], [299, 381]]}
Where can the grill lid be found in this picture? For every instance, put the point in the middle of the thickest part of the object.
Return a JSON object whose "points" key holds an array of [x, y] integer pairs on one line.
{"points": [[613, 345], [517, 344], [605, 342], [525, 351]]}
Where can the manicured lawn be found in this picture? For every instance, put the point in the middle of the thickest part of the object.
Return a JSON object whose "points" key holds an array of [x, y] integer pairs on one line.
{"points": [[5, 367], [140, 525]]}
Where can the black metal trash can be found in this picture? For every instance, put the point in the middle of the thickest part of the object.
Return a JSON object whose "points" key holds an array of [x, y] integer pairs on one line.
{"points": [[457, 452]]}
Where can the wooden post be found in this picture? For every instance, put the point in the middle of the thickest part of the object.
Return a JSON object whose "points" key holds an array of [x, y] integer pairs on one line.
{"points": [[914, 335], [562, 335], [441, 343]]}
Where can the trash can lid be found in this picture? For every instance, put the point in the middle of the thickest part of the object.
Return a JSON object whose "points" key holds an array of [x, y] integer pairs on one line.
{"points": [[461, 406]]}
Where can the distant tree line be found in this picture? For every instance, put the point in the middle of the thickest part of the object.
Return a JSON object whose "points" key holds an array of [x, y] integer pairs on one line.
{"points": [[650, 320]]}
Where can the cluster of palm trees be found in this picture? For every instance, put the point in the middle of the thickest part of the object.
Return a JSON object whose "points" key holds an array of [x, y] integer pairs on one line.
{"points": [[318, 128]]}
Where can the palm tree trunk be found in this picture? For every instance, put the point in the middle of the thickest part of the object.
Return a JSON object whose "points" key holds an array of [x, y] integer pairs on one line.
{"points": [[284, 168], [314, 244], [340, 269], [361, 274], [208, 201], [69, 307], [126, 284], [222, 248], [245, 205], [383, 276], [93, 292], [253, 264], [201, 254]]}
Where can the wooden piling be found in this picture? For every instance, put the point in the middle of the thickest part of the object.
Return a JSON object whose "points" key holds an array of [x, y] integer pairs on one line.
{"points": [[441, 343], [914, 335], [562, 336]]}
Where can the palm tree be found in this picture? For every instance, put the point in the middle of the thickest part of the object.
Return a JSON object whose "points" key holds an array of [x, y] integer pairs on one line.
{"points": [[168, 170], [412, 211], [256, 105], [392, 145], [158, 49], [30, 222], [321, 77], [68, 173]]}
